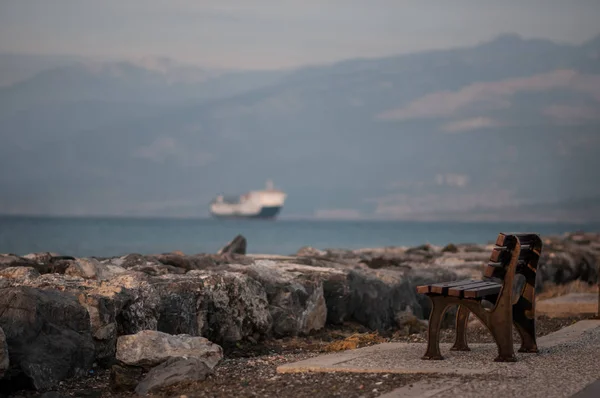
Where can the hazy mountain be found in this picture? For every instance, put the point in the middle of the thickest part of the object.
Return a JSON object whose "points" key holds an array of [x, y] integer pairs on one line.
{"points": [[158, 81], [15, 67], [441, 134]]}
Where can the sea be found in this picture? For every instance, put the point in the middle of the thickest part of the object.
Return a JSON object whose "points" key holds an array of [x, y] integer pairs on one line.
{"points": [[107, 237]]}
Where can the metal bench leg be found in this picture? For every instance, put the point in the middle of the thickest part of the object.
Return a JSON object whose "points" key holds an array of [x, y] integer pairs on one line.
{"points": [[462, 318], [524, 308], [439, 306], [524, 320], [500, 323]]}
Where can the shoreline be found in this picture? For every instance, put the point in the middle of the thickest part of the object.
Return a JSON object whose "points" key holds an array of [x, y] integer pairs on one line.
{"points": [[236, 301]]}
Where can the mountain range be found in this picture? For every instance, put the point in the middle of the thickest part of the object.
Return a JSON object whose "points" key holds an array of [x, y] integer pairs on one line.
{"points": [[507, 129]]}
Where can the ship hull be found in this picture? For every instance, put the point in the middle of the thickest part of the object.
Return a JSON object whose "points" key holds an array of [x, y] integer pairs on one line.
{"points": [[268, 212]]}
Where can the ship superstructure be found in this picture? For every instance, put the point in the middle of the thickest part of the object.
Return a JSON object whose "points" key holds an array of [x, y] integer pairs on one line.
{"points": [[266, 203]]}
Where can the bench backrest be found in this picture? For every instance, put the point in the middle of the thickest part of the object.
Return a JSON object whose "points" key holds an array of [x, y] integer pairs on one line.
{"points": [[531, 249]]}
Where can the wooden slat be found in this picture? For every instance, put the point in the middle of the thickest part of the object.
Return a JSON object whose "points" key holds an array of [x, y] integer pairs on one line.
{"points": [[499, 254], [442, 288], [494, 270], [502, 255], [483, 291], [497, 269], [423, 289], [457, 291], [524, 238]]}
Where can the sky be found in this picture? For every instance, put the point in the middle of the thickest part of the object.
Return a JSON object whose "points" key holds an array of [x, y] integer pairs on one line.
{"points": [[272, 34]]}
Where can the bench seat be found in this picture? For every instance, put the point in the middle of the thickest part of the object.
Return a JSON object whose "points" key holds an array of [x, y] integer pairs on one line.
{"points": [[468, 288]]}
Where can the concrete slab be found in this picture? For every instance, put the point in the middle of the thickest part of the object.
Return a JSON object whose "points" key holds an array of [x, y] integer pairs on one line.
{"points": [[590, 391], [399, 358], [566, 364], [568, 305], [406, 357]]}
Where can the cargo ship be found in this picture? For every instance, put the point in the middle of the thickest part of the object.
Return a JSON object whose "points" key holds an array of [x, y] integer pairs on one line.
{"points": [[266, 203]]}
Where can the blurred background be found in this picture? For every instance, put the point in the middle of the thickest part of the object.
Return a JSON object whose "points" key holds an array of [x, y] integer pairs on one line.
{"points": [[439, 112]]}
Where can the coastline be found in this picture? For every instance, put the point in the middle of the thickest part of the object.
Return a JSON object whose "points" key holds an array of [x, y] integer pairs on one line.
{"points": [[236, 300]]}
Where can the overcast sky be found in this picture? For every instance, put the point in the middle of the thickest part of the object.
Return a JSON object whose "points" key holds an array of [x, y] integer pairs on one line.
{"points": [[280, 33]]}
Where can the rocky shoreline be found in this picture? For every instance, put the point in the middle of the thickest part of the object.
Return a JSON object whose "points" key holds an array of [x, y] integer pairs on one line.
{"points": [[62, 317]]}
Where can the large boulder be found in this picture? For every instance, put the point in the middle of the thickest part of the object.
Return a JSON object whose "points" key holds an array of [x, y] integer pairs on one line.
{"points": [[179, 298], [295, 295], [375, 298], [235, 307], [150, 348], [47, 333], [223, 306], [379, 298], [172, 372], [104, 306]]}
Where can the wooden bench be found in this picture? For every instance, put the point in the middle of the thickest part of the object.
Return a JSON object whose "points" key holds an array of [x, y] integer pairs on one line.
{"points": [[514, 254]]}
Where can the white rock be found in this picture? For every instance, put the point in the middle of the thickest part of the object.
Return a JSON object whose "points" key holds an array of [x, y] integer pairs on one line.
{"points": [[150, 348]]}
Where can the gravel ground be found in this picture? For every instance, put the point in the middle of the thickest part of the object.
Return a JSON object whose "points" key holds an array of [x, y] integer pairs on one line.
{"points": [[250, 370]]}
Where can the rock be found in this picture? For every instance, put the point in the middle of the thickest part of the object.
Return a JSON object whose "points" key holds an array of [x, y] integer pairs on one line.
{"points": [[338, 296], [450, 248], [419, 249], [149, 348], [409, 324], [340, 254], [372, 300], [569, 263], [236, 246], [235, 307], [123, 305], [308, 251], [140, 311], [44, 263], [188, 263], [42, 257], [19, 273], [148, 265], [224, 306], [295, 294], [377, 297], [47, 333], [171, 372], [367, 296], [11, 260], [180, 300], [157, 269], [382, 262], [90, 268], [4, 357], [124, 378]]}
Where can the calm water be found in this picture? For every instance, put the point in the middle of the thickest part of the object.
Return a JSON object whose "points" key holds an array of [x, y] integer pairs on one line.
{"points": [[117, 236]]}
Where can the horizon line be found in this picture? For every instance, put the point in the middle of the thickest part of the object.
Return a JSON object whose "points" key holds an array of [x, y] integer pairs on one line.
{"points": [[294, 219]]}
